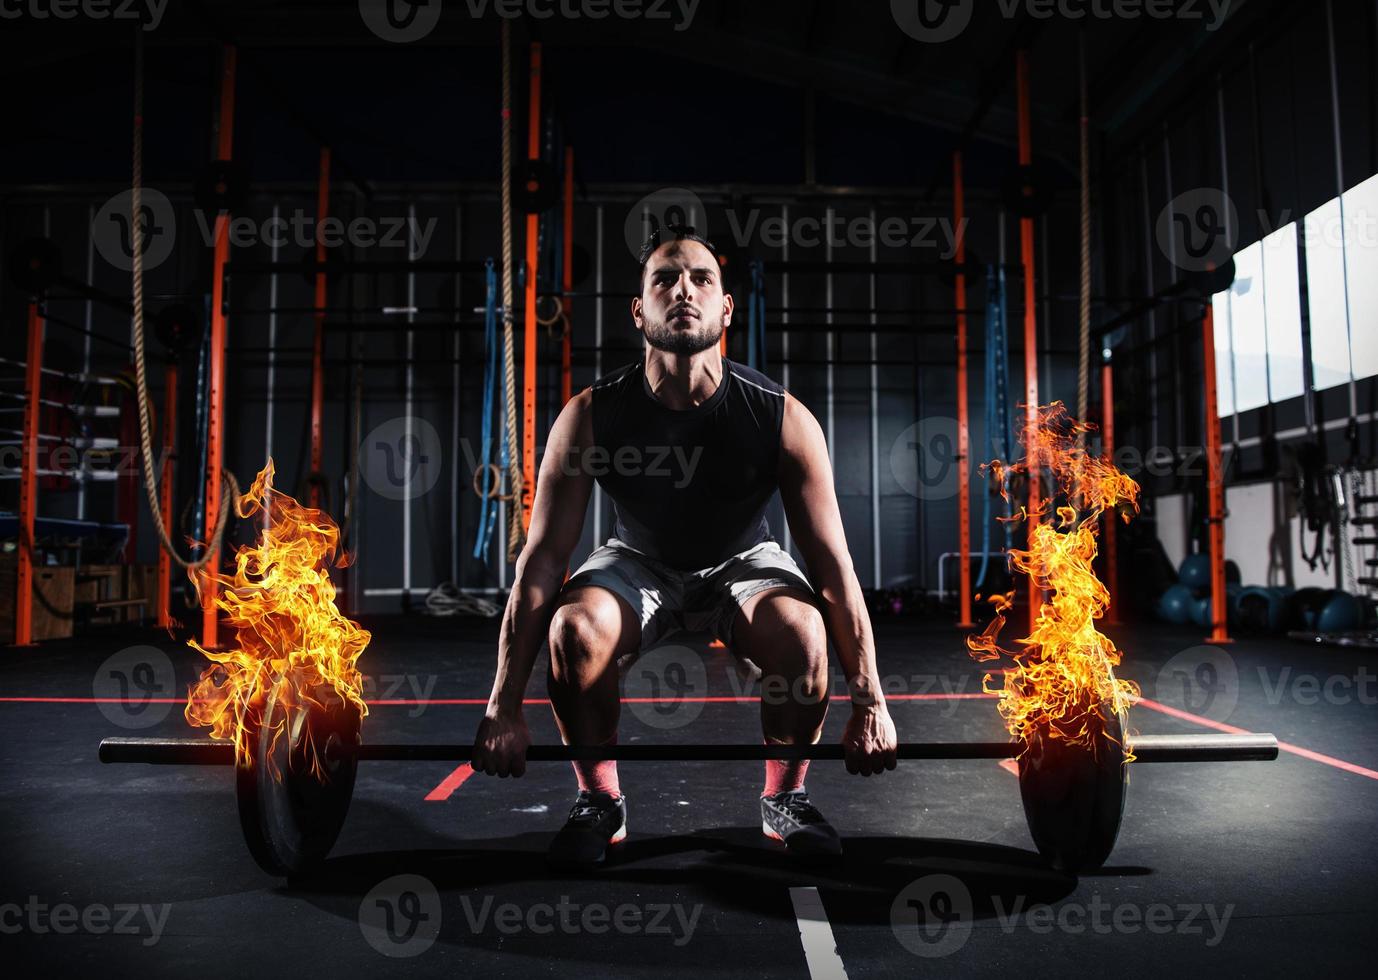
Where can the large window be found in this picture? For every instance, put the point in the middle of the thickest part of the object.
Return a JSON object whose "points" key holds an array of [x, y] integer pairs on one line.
{"points": [[1258, 319], [1361, 264], [1326, 295]]}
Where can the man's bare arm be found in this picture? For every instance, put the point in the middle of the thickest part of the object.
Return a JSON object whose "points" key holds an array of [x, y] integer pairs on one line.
{"points": [[557, 520], [806, 487]]}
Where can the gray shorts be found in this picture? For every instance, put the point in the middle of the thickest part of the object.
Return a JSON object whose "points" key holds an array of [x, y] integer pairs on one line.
{"points": [[665, 599]]}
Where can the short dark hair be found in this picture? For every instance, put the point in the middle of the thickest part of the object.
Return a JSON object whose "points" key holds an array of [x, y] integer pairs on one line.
{"points": [[672, 233]]}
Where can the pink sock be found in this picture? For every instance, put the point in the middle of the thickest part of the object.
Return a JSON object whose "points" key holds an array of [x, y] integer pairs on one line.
{"points": [[784, 775], [599, 777]]}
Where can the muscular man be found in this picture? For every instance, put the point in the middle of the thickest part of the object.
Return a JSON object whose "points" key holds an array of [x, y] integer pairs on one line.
{"points": [[690, 447]]}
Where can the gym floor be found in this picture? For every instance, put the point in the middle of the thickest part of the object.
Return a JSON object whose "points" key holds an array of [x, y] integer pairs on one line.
{"points": [[1261, 867]]}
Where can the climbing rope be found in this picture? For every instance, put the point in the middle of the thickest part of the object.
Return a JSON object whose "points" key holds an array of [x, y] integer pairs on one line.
{"points": [[516, 533], [231, 485]]}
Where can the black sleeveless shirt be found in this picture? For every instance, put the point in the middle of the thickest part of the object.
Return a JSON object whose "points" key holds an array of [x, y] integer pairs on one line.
{"points": [[689, 488]]}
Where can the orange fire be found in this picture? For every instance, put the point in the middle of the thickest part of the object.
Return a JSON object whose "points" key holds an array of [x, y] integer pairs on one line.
{"points": [[1064, 675], [280, 604]]}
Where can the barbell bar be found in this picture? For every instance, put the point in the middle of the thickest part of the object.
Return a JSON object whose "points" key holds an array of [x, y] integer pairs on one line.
{"points": [[293, 800], [1146, 748]]}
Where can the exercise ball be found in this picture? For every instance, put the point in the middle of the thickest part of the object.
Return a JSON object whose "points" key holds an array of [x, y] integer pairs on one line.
{"points": [[1258, 609], [1304, 608], [1174, 605], [1340, 613], [1195, 571]]}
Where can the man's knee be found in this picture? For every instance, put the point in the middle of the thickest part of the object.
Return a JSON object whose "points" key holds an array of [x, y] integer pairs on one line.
{"points": [[793, 646], [585, 631]]}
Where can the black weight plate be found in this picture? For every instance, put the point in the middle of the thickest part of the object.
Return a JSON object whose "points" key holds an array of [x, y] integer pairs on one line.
{"points": [[1074, 795], [290, 816]]}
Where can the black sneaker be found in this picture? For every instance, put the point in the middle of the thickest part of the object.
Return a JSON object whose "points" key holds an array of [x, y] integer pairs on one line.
{"points": [[596, 821], [791, 818]]}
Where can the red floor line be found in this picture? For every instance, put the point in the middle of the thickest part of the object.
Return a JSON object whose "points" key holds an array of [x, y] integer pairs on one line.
{"points": [[447, 786], [415, 702], [1296, 750], [1010, 766]]}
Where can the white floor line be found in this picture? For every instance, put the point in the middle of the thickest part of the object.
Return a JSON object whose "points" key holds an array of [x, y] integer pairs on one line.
{"points": [[820, 948]]}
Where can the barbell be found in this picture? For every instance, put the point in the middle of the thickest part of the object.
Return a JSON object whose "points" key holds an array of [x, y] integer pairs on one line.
{"points": [[295, 794]]}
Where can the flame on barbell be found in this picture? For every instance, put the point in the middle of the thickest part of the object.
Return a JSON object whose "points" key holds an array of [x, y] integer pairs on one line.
{"points": [[1063, 677], [280, 605]]}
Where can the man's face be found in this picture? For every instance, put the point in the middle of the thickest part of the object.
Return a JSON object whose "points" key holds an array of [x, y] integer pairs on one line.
{"points": [[682, 308]]}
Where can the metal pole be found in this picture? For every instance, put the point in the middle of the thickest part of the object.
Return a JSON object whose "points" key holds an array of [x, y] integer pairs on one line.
{"points": [[1026, 241], [215, 429], [1215, 487], [533, 227], [318, 340], [963, 420]]}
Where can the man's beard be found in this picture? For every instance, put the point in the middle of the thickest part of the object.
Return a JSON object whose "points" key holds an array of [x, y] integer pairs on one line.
{"points": [[671, 340]]}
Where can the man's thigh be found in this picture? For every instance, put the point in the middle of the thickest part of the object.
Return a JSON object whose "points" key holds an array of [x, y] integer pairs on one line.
{"points": [[650, 595], [741, 583]]}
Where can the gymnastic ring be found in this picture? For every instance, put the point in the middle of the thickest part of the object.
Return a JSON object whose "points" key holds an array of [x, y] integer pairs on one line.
{"points": [[497, 482]]}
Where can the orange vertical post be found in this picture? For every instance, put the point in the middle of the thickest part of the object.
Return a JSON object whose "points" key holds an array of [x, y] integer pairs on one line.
{"points": [[1026, 248], [1215, 484], [163, 600], [533, 228], [567, 282], [215, 435], [1107, 431], [318, 343], [28, 482], [963, 422]]}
